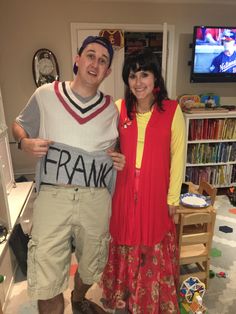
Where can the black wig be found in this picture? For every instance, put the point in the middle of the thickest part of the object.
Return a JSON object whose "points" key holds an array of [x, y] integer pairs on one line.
{"points": [[144, 60]]}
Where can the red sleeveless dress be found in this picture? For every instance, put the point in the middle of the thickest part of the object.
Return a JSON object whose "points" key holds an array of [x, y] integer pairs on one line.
{"points": [[142, 267]]}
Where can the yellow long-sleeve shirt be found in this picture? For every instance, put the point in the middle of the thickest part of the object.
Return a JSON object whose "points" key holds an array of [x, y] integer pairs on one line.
{"points": [[177, 150]]}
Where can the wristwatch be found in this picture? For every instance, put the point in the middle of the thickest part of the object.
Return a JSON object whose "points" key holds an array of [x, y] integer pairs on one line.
{"points": [[19, 143]]}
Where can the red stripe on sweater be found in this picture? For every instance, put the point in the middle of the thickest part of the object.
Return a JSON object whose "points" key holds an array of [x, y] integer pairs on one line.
{"points": [[74, 114]]}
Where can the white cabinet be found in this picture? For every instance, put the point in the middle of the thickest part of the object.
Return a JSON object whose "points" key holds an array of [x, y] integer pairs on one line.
{"points": [[20, 207], [15, 201], [211, 148]]}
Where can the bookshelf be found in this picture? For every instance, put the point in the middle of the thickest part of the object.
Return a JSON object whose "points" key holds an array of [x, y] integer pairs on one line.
{"points": [[211, 148]]}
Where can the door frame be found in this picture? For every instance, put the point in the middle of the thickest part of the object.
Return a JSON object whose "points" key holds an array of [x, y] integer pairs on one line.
{"points": [[167, 47]]}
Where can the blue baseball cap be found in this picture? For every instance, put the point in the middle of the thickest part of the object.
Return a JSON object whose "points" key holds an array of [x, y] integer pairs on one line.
{"points": [[228, 35], [98, 40]]}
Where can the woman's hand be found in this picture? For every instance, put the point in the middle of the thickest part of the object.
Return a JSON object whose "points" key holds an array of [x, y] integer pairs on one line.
{"points": [[172, 210], [118, 159]]}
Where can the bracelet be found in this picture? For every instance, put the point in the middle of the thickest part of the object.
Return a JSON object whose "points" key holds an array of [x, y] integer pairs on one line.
{"points": [[19, 143]]}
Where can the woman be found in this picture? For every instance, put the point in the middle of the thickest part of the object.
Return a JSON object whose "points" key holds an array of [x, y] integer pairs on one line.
{"points": [[142, 269]]}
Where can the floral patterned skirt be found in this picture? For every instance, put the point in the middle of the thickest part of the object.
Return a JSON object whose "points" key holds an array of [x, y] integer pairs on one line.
{"points": [[146, 278]]}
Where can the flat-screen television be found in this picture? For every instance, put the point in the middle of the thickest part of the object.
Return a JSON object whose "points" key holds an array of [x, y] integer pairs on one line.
{"points": [[213, 54]]}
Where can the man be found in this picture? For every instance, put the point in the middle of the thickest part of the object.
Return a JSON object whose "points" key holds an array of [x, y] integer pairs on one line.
{"points": [[72, 128], [226, 60]]}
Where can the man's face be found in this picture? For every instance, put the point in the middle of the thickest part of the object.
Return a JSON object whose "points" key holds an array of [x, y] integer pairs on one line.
{"points": [[229, 47], [93, 65]]}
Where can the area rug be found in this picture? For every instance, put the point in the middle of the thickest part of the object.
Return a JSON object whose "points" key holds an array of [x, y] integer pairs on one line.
{"points": [[220, 298], [221, 295]]}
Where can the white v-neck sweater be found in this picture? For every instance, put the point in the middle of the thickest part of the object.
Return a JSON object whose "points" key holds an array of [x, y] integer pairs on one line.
{"points": [[63, 118]]}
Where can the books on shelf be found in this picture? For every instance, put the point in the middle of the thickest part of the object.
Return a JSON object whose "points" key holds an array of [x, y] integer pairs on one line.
{"points": [[203, 153], [211, 148], [212, 129], [222, 175]]}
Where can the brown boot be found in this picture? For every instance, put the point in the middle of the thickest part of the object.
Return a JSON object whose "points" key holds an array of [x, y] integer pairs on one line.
{"points": [[81, 307], [85, 306], [98, 309]]}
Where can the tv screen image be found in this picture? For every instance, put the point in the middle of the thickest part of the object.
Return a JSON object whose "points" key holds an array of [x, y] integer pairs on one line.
{"points": [[213, 54]]}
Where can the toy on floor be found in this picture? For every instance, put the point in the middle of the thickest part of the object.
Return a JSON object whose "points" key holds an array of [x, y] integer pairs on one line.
{"points": [[232, 195], [215, 252], [211, 274], [221, 274], [226, 229], [191, 292], [2, 278]]}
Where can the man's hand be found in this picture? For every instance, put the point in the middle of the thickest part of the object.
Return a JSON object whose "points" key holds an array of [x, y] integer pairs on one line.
{"points": [[35, 146], [118, 159]]}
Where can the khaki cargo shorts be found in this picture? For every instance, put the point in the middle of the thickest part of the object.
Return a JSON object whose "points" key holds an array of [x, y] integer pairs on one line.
{"points": [[61, 214]]}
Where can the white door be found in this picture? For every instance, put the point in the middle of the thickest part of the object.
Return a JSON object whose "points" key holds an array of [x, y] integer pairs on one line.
{"points": [[113, 85]]}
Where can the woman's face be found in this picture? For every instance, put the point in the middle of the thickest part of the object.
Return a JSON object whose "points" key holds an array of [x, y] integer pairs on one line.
{"points": [[141, 84]]}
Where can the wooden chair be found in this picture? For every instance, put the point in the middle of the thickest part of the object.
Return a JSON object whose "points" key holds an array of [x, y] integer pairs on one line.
{"points": [[194, 246], [207, 189]]}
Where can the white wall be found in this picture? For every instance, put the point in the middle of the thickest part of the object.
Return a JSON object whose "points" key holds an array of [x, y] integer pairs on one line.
{"points": [[26, 26]]}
